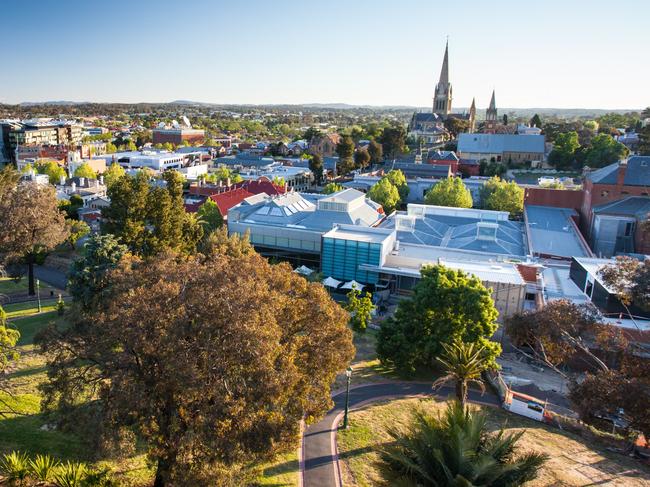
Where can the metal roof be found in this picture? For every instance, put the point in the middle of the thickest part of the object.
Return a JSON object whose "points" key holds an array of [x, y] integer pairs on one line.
{"points": [[630, 206], [497, 143], [637, 172], [553, 232]]}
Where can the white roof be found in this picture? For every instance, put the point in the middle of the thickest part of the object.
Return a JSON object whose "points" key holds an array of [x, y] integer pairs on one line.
{"points": [[593, 266], [331, 282], [304, 270], [352, 284]]}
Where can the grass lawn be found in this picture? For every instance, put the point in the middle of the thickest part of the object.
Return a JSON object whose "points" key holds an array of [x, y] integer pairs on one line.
{"points": [[572, 462], [27, 431], [26, 308], [10, 286]]}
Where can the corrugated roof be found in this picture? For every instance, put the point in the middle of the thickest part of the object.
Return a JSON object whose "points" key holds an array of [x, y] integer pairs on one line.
{"points": [[553, 233], [637, 172], [631, 206], [497, 143]]}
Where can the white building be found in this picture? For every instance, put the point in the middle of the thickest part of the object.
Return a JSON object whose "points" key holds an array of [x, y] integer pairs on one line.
{"points": [[157, 160]]}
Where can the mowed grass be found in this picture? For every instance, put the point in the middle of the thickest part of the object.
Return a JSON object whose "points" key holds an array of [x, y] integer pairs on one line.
{"points": [[26, 308], [12, 286], [27, 429], [572, 461]]}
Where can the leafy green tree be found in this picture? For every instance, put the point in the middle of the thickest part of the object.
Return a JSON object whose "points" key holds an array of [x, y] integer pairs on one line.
{"points": [[345, 150], [113, 173], [361, 159], [77, 229], [32, 224], [316, 166], [8, 339], [85, 171], [536, 121], [279, 181], [464, 363], [604, 150], [332, 188], [456, 126], [644, 141], [209, 217], [449, 192], [87, 277], [386, 194], [392, 140], [500, 195], [564, 150], [396, 176], [376, 152], [456, 449], [360, 309], [447, 306], [53, 171], [208, 382], [110, 148], [310, 133], [149, 219]]}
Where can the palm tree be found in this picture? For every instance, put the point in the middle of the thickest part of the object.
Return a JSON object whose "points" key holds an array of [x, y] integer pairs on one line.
{"points": [[464, 363], [454, 449]]}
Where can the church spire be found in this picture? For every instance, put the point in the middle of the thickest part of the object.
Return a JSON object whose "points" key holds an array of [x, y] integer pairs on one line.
{"points": [[444, 72], [493, 104], [443, 94]]}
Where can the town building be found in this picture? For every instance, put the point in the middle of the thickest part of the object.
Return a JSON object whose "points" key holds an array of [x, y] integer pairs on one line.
{"points": [[39, 132], [509, 148], [429, 128], [325, 144], [296, 178], [553, 233], [617, 228], [290, 225], [87, 189], [156, 160], [177, 134]]}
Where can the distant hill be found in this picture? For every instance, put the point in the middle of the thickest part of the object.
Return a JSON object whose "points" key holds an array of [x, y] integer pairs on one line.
{"points": [[53, 102]]}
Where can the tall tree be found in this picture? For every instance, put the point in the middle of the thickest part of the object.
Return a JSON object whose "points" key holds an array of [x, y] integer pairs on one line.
{"points": [[392, 140], [536, 121], [361, 159], [449, 192], [464, 363], [398, 179], [212, 361], [500, 195], [32, 224], [332, 188], [88, 275], [456, 126], [52, 169], [447, 306], [8, 339], [455, 449], [644, 141], [345, 148], [85, 171], [564, 150], [113, 173], [316, 166], [386, 194], [376, 152], [604, 150], [209, 217], [148, 219], [76, 230]]}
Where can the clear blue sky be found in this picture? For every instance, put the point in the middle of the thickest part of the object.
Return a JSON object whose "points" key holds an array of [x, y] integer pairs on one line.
{"points": [[569, 53]]}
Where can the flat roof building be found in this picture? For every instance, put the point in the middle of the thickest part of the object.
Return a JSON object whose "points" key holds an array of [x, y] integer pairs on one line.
{"points": [[553, 232]]}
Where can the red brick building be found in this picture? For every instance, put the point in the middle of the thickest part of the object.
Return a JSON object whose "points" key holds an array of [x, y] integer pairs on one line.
{"points": [[178, 136]]}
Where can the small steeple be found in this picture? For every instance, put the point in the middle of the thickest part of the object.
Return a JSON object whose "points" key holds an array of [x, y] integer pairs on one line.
{"points": [[442, 94], [491, 112], [472, 108], [493, 104]]}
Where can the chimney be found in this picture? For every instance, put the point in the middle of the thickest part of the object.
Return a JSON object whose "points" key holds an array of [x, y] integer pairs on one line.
{"points": [[101, 180], [62, 180], [73, 187], [228, 182], [82, 182], [620, 175]]}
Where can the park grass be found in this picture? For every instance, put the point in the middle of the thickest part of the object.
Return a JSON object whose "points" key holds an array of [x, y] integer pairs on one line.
{"points": [[27, 429], [12, 286], [572, 462], [25, 308]]}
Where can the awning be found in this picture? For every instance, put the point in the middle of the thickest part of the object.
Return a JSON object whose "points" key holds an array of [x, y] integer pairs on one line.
{"points": [[352, 284], [331, 282], [304, 270]]}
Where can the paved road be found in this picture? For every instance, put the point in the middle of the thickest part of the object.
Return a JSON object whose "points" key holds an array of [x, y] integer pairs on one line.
{"points": [[320, 464], [52, 276]]}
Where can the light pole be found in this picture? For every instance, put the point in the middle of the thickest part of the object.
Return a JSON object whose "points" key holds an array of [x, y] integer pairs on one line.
{"points": [[38, 294], [348, 374]]}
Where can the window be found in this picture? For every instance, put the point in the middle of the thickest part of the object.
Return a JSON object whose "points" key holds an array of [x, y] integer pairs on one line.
{"points": [[604, 194], [629, 228], [589, 288]]}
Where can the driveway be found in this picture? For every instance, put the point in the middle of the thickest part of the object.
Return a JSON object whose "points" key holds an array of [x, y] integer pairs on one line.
{"points": [[320, 461]]}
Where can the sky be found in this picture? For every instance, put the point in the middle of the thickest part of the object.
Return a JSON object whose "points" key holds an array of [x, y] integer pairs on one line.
{"points": [[548, 54]]}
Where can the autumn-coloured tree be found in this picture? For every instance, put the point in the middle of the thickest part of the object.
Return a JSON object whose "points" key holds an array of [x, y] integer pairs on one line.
{"points": [[562, 331], [8, 338], [32, 224], [211, 360]]}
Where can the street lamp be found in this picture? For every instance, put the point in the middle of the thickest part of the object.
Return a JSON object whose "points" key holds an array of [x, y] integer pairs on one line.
{"points": [[348, 374], [38, 294]]}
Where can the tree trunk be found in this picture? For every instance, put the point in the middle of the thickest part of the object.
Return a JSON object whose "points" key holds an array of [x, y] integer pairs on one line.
{"points": [[30, 273], [162, 473], [461, 392]]}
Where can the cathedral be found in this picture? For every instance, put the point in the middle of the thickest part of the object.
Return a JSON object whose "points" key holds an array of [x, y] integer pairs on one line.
{"points": [[430, 128]]}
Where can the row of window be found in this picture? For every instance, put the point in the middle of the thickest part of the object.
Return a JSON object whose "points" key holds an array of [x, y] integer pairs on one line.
{"points": [[341, 259]]}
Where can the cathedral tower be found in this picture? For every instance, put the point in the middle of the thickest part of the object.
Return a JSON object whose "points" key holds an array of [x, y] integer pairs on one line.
{"points": [[442, 95], [490, 126], [472, 117]]}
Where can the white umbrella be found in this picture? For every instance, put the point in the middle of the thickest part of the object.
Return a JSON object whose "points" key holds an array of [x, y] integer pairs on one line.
{"points": [[331, 282], [304, 270], [352, 284]]}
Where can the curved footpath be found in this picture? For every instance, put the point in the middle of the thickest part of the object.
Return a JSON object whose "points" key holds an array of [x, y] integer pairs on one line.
{"points": [[319, 465]]}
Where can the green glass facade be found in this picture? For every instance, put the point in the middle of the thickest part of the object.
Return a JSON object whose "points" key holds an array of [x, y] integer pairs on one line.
{"points": [[341, 259]]}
